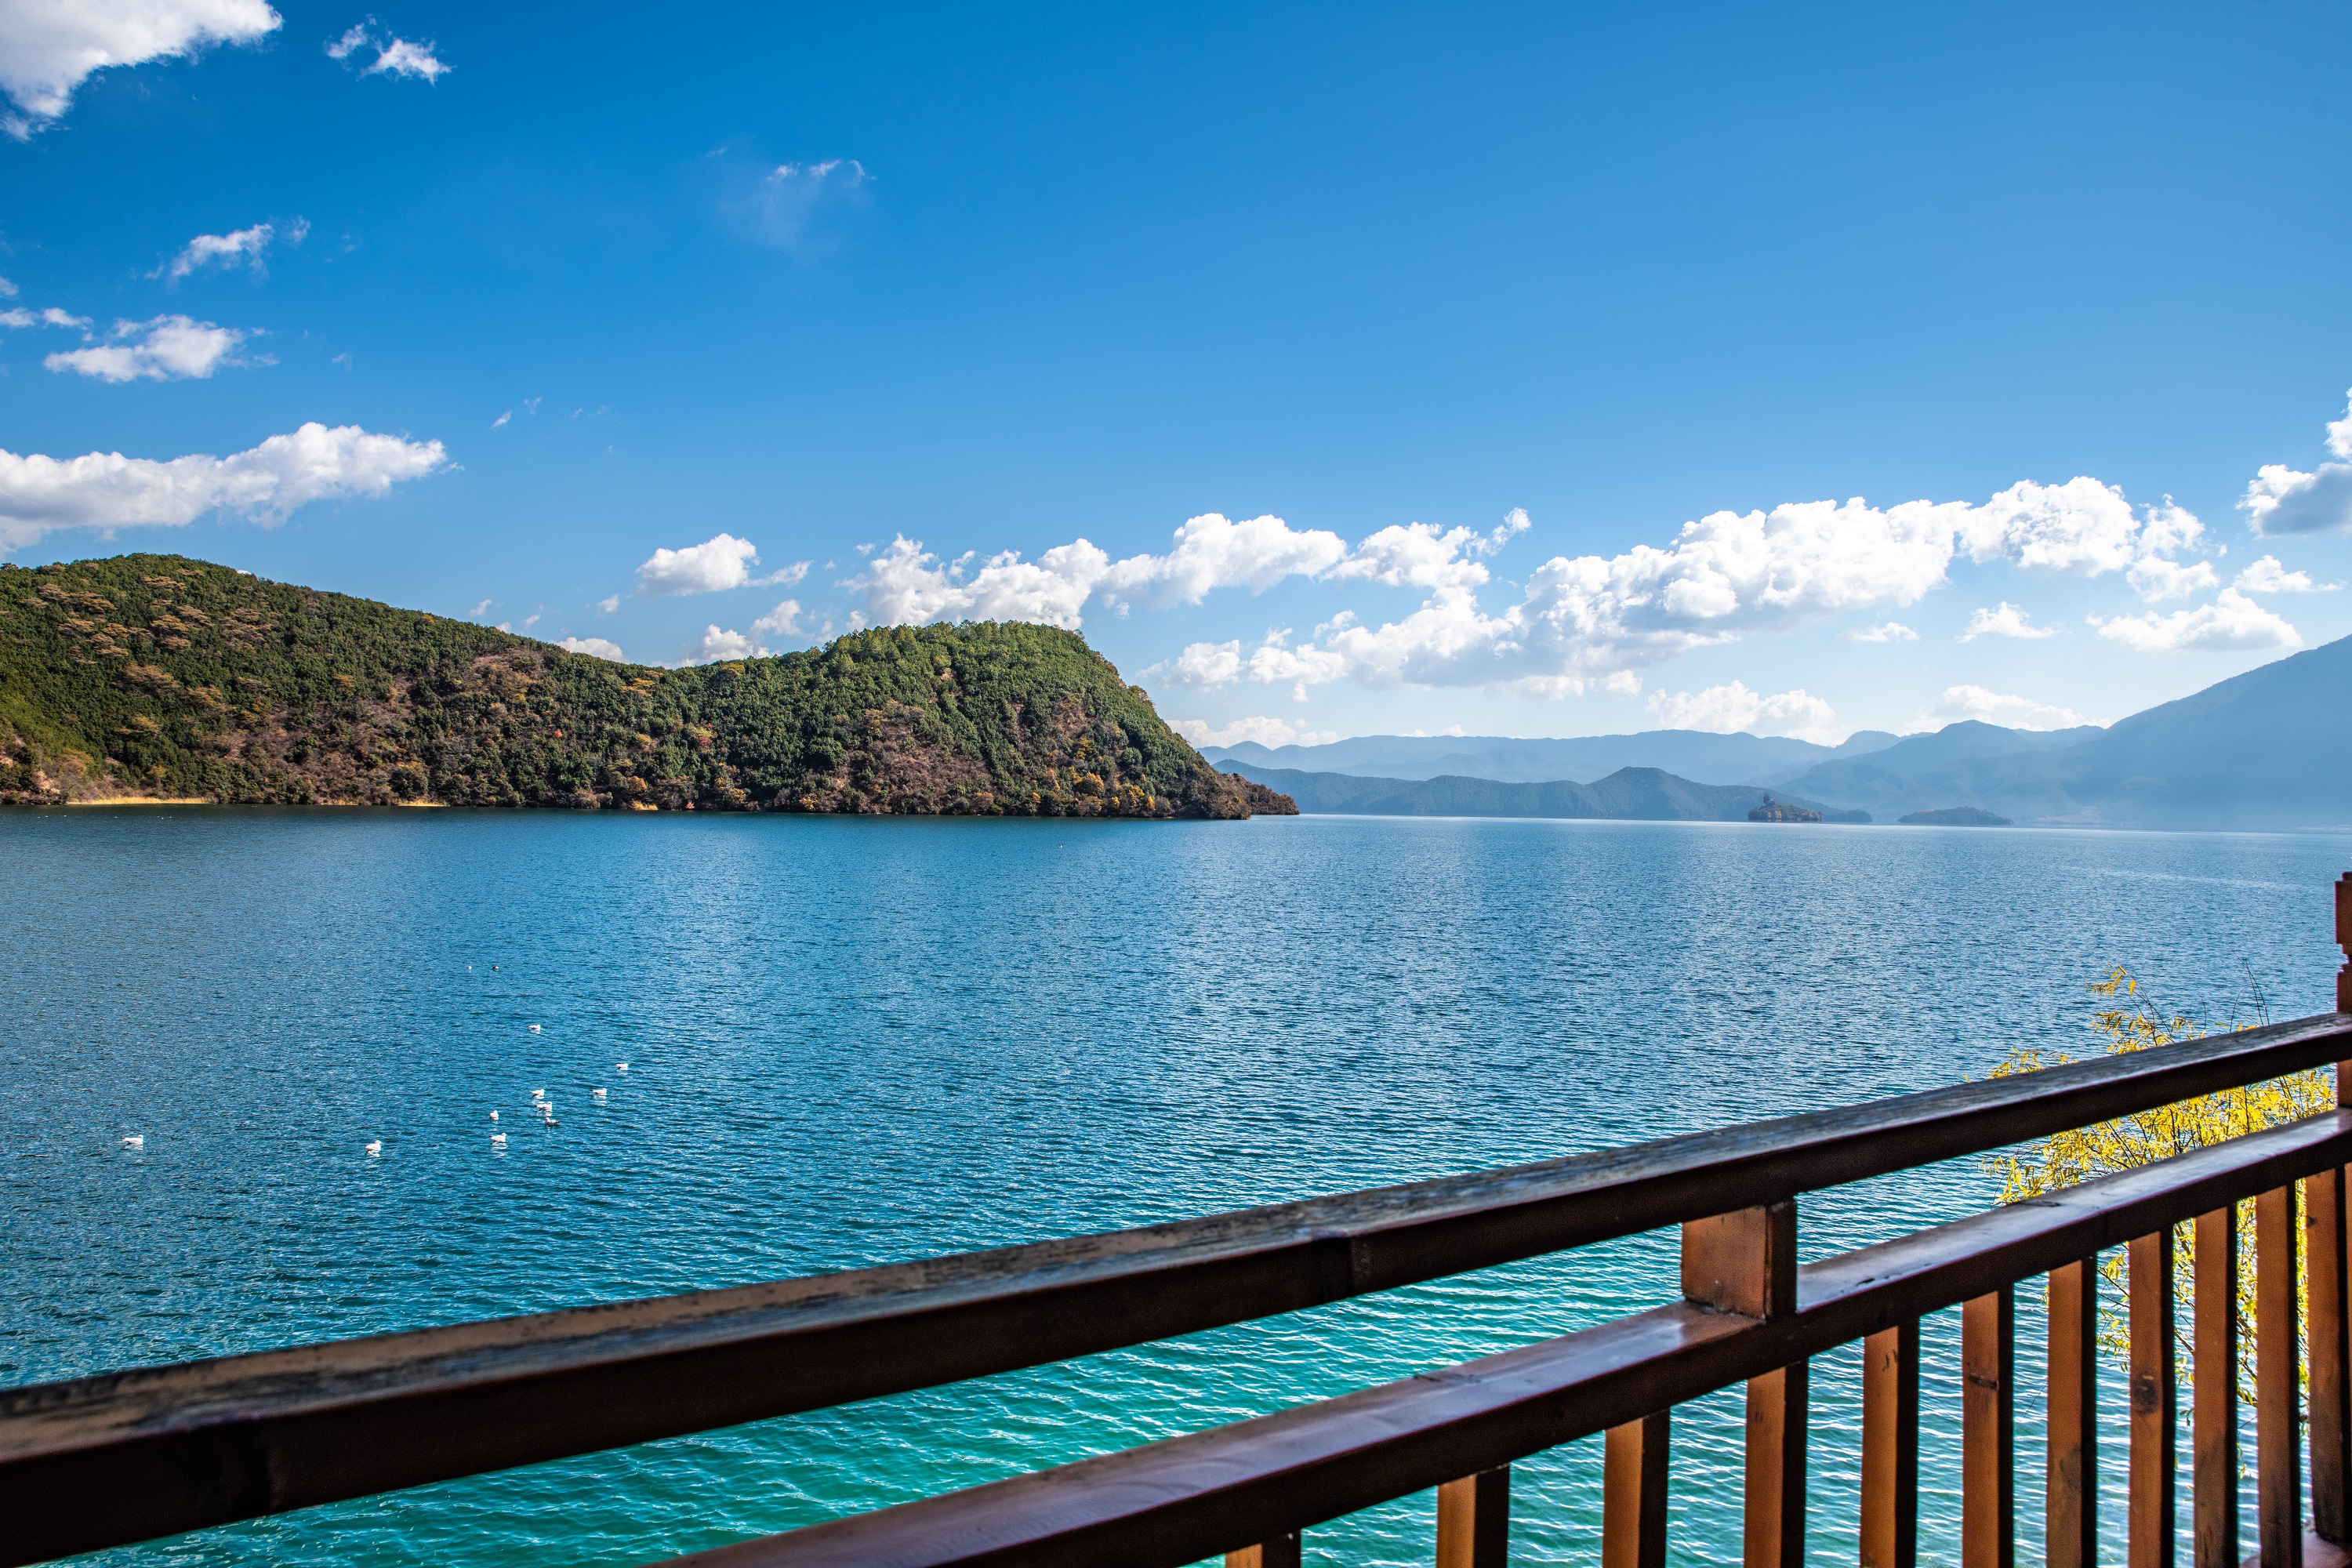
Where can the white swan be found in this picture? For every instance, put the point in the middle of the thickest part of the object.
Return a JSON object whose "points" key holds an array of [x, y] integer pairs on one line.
{"points": [[534, 1028], [620, 1067], [375, 1147], [539, 1094], [136, 1141], [494, 1116], [498, 1140], [596, 1094]]}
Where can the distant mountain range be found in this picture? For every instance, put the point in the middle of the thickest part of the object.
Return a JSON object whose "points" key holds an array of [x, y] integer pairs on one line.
{"points": [[1691, 754], [1639, 795], [2268, 749]]}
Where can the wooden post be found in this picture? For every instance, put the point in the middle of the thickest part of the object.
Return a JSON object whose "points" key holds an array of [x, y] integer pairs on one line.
{"points": [[1634, 1495], [2330, 1411], [1473, 1519], [1774, 1533], [2153, 1401], [1890, 1448], [2215, 1421], [2072, 1506], [2278, 1459], [1746, 1262], [2344, 940], [1282, 1552], [1988, 1431]]}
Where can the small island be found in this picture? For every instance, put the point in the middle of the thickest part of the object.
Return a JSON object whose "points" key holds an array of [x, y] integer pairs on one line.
{"points": [[1782, 811], [1954, 816]]}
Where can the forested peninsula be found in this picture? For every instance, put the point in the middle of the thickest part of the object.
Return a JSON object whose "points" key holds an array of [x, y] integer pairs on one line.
{"points": [[163, 678]]}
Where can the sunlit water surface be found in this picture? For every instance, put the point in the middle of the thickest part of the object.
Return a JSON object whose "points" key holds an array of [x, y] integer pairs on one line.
{"points": [[853, 1042]]}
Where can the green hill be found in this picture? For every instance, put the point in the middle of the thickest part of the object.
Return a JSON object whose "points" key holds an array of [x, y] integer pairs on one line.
{"points": [[158, 677]]}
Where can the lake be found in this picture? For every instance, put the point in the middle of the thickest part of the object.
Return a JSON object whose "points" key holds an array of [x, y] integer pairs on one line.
{"points": [[855, 1041]]}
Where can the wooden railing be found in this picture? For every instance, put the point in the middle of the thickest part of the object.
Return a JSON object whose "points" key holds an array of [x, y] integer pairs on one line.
{"points": [[130, 1456]]}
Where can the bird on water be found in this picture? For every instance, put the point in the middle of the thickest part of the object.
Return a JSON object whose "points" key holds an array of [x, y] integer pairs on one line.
{"points": [[375, 1147], [136, 1141]]}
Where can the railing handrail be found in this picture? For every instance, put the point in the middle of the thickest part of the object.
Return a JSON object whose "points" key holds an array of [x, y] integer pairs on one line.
{"points": [[1185, 1498], [159, 1450]]}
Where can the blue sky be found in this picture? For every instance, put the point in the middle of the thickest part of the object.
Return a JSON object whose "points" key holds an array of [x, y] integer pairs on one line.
{"points": [[1457, 331]]}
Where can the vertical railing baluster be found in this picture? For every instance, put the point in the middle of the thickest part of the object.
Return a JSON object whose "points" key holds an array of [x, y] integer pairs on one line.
{"points": [[1282, 1552], [2153, 1401], [1633, 1494], [2344, 940], [2278, 1457], [1989, 1430], [2214, 1422], [2070, 1506], [1773, 1534], [1890, 1448], [2331, 1420], [1473, 1519], [1746, 1262]]}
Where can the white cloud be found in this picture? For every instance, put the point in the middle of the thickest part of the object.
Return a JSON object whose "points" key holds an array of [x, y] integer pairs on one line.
{"points": [[246, 246], [402, 57], [1727, 709], [7, 289], [2281, 500], [2081, 527], [18, 316], [719, 562], [784, 620], [599, 646], [2230, 621], [1996, 708], [168, 347], [1893, 631], [50, 48], [2268, 575], [781, 205], [716, 645], [476, 613], [1583, 620], [393, 56], [2008, 621], [108, 490], [1264, 731], [2156, 579], [906, 584]]}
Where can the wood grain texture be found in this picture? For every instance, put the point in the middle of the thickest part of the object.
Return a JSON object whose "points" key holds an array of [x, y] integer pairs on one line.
{"points": [[1772, 1526], [1634, 1492], [1989, 1430], [1890, 1446], [2071, 1501], [2278, 1446], [2214, 1420], [2153, 1418], [1473, 1519], [1282, 1552], [2324, 1337]]}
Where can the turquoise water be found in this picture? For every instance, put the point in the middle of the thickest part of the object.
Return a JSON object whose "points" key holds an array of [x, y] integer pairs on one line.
{"points": [[858, 1041]]}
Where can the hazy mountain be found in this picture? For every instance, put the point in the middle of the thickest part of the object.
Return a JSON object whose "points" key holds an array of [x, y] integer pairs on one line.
{"points": [[1690, 753], [1642, 794], [1886, 773], [2268, 749]]}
